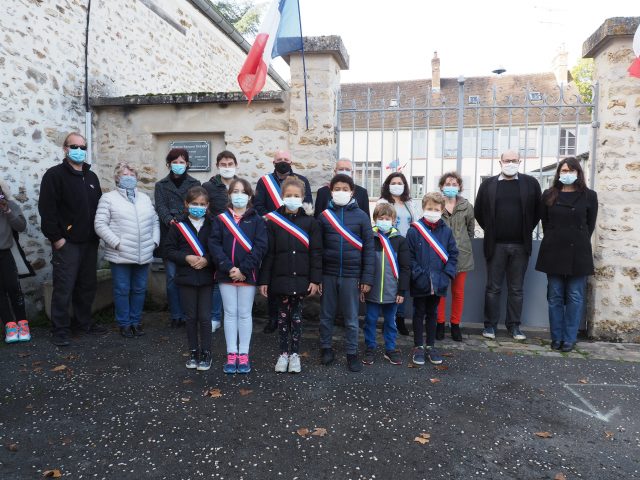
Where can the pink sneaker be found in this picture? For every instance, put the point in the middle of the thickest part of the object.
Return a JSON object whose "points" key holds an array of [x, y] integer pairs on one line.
{"points": [[232, 363], [243, 363], [11, 332], [24, 335]]}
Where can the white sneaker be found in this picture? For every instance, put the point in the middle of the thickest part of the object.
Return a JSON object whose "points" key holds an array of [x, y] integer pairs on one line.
{"points": [[294, 363], [283, 361], [215, 326]]}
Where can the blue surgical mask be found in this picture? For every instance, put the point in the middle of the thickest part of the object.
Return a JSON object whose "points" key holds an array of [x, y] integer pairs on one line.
{"points": [[450, 191], [384, 225], [568, 178], [292, 203], [77, 155], [239, 200], [178, 168], [197, 211], [128, 182]]}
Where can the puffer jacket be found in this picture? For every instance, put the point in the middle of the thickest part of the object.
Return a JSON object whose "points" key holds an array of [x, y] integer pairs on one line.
{"points": [[462, 222], [385, 286], [130, 230], [429, 274], [340, 258]]}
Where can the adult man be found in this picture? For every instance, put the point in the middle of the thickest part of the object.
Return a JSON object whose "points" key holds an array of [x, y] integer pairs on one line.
{"points": [[267, 199], [69, 195], [217, 188], [344, 166], [508, 209]]}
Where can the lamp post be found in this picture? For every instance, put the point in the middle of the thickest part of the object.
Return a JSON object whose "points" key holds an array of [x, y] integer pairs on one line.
{"points": [[460, 124]]}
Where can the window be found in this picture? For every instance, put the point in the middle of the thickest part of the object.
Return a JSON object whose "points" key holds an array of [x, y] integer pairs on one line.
{"points": [[419, 143], [567, 142], [528, 138], [474, 99], [417, 187], [489, 143], [450, 143], [372, 183]]}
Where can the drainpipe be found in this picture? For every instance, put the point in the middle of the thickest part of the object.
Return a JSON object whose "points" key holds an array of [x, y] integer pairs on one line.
{"points": [[87, 109]]}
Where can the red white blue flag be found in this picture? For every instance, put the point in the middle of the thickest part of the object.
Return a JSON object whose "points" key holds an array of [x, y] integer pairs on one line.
{"points": [[344, 232], [273, 189], [239, 235], [289, 226], [191, 239], [280, 33], [432, 241], [390, 253]]}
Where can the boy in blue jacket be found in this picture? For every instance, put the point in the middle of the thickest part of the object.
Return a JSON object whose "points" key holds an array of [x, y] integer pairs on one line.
{"points": [[434, 257], [347, 267]]}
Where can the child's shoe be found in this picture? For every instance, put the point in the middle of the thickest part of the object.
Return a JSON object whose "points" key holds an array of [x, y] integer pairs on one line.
{"points": [[434, 356], [440, 331], [294, 363], [11, 332], [243, 363], [215, 325], [456, 333], [394, 357], [232, 363], [193, 360], [418, 356], [23, 331], [283, 363], [369, 356], [353, 364], [205, 361]]}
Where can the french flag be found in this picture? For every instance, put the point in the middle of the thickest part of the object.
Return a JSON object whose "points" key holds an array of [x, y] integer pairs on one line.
{"points": [[280, 33]]}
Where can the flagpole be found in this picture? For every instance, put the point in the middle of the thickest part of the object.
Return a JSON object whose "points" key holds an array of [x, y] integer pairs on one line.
{"points": [[304, 71]]}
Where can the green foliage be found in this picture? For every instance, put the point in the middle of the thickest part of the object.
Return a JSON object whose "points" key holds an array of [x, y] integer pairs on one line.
{"points": [[242, 14], [582, 75]]}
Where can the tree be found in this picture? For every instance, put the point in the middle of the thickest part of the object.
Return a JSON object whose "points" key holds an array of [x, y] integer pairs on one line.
{"points": [[582, 75], [244, 15]]}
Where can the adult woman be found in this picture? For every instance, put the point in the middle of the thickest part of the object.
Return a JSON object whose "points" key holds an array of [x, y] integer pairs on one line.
{"points": [[128, 224], [395, 190], [458, 214], [170, 193], [569, 211]]}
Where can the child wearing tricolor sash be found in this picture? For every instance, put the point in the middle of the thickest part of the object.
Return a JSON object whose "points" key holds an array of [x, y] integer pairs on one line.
{"points": [[391, 282], [292, 269], [434, 257], [238, 242], [186, 246]]}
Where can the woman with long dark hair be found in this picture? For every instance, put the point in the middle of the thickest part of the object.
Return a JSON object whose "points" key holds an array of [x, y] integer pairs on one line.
{"points": [[569, 210]]}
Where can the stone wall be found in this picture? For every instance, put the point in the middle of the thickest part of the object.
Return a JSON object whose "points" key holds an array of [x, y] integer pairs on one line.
{"points": [[615, 306]]}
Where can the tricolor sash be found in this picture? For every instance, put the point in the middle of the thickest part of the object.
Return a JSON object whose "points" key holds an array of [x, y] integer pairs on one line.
{"points": [[343, 231], [191, 238], [390, 253], [431, 240], [239, 235], [273, 189], [289, 226]]}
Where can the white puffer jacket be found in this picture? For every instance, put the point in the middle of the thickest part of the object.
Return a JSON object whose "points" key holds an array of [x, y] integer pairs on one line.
{"points": [[131, 231]]}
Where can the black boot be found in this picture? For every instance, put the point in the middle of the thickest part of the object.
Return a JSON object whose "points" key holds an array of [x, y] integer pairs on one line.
{"points": [[456, 333], [326, 356], [137, 330], [126, 332], [402, 328], [440, 331], [271, 326]]}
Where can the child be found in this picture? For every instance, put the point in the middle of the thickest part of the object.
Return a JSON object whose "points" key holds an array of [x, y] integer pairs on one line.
{"points": [[391, 281], [187, 247], [347, 263], [238, 242], [12, 309], [434, 256], [292, 268]]}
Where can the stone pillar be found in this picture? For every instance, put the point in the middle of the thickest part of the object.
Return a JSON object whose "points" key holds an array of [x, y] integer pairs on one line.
{"points": [[314, 150], [615, 301]]}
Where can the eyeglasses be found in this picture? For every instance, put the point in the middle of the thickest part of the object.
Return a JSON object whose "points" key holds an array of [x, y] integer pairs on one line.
{"points": [[510, 160], [75, 147]]}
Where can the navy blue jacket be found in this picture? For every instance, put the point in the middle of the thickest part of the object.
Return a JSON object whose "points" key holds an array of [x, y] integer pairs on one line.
{"points": [[227, 254], [262, 200], [427, 269], [340, 258], [177, 249]]}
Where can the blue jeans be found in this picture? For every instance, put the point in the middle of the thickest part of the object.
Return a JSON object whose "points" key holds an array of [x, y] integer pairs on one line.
{"points": [[346, 293], [216, 304], [566, 298], [173, 292], [129, 289], [389, 329]]}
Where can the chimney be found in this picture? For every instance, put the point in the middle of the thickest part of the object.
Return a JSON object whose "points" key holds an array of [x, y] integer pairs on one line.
{"points": [[560, 66], [435, 73]]}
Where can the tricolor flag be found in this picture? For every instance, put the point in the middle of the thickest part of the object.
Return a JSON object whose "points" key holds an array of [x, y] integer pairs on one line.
{"points": [[634, 69], [280, 33]]}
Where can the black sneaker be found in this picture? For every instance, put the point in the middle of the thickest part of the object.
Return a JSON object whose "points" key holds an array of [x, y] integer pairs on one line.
{"points": [[326, 356], [205, 361], [97, 329], [456, 333], [556, 344], [60, 341], [137, 330], [353, 364], [567, 347], [516, 333], [193, 360], [126, 332], [402, 328], [271, 326], [369, 356], [394, 357], [440, 331]]}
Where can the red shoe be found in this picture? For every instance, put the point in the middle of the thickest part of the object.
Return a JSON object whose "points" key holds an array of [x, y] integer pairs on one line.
{"points": [[24, 335], [11, 332]]}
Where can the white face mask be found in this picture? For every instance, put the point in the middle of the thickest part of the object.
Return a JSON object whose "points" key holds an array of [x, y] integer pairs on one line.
{"points": [[396, 189], [227, 172], [510, 169], [341, 198], [343, 172], [432, 217]]}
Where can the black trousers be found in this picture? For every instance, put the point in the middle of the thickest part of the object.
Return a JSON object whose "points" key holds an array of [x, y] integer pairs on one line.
{"points": [[196, 306], [75, 283], [510, 260], [425, 315], [11, 298]]}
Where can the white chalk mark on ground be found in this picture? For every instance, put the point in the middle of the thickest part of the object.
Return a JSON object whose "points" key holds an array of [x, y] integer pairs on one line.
{"points": [[591, 410]]}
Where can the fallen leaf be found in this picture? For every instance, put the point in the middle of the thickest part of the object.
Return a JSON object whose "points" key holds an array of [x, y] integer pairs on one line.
{"points": [[303, 432], [185, 399], [164, 339], [319, 432], [245, 391], [425, 435], [29, 407], [24, 354], [12, 447], [71, 356], [442, 367], [608, 435], [59, 368], [411, 365], [187, 381], [421, 440], [583, 381], [447, 354], [35, 364], [66, 441], [55, 473], [543, 434], [560, 476], [213, 392], [434, 380], [304, 355], [37, 369]]}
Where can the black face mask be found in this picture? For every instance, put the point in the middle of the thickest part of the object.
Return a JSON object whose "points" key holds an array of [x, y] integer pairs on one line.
{"points": [[283, 167]]}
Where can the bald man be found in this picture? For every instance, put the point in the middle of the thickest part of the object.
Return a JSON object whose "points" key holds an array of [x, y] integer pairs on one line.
{"points": [[344, 166], [508, 210]]}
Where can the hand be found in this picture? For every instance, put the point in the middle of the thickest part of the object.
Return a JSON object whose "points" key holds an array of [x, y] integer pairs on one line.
{"points": [[320, 289], [362, 299], [172, 222], [364, 288], [192, 260], [313, 288], [58, 244], [236, 275], [4, 205], [399, 299], [263, 289], [201, 263]]}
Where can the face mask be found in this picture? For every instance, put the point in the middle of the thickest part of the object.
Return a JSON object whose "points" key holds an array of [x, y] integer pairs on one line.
{"points": [[383, 225], [128, 182], [568, 178], [341, 198], [396, 190], [292, 203], [283, 167], [450, 192], [197, 211], [432, 217], [77, 155], [239, 200], [510, 169], [227, 172], [344, 172], [178, 168]]}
